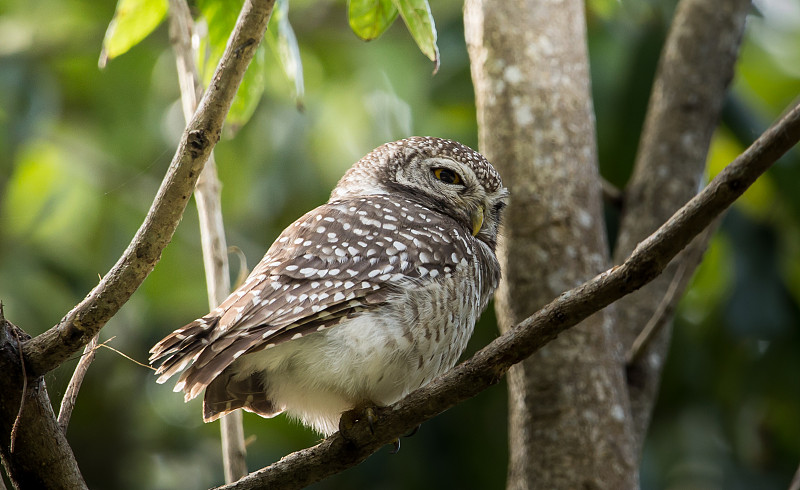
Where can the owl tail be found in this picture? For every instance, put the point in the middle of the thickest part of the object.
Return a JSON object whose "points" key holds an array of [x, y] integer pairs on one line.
{"points": [[182, 347], [227, 393], [203, 352]]}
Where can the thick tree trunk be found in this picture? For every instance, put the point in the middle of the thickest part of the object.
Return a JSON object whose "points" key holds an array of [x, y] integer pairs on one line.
{"points": [[569, 415], [41, 457]]}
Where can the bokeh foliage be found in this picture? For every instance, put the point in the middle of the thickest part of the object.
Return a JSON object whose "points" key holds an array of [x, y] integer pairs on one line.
{"points": [[83, 151]]}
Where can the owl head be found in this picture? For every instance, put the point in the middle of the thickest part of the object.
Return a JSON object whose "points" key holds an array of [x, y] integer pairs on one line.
{"points": [[443, 175]]}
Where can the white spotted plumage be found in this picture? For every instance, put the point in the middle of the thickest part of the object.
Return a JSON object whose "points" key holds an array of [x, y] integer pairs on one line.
{"points": [[359, 301]]}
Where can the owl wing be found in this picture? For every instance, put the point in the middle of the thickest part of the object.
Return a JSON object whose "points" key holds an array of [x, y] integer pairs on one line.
{"points": [[335, 262]]}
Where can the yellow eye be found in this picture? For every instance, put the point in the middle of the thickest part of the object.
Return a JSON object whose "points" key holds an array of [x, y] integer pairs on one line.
{"points": [[447, 176]]}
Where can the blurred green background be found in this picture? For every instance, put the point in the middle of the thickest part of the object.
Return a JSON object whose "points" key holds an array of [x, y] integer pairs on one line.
{"points": [[82, 152]]}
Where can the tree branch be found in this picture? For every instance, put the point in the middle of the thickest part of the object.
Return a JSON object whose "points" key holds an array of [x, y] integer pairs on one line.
{"points": [[48, 350], [688, 260], [487, 366], [695, 69], [74, 386]]}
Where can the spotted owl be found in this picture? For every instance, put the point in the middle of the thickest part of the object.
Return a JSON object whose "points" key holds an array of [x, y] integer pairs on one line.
{"points": [[358, 302]]}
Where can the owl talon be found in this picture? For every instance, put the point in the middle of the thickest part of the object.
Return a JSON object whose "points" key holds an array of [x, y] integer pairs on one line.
{"points": [[395, 446], [350, 418], [371, 417]]}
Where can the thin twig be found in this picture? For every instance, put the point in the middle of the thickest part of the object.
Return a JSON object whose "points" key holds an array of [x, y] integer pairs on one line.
{"points": [[105, 345], [488, 365], [126, 356], [689, 260], [209, 210], [659, 318], [71, 394], [15, 427]]}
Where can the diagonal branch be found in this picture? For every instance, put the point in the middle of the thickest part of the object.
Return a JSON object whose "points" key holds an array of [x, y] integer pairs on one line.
{"points": [[48, 350], [486, 367], [695, 70]]}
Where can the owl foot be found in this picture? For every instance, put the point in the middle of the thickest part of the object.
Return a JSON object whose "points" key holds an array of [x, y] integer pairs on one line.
{"points": [[350, 418]]}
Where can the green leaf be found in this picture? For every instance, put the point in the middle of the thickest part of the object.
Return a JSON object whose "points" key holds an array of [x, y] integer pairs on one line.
{"points": [[417, 16], [370, 18], [220, 18], [283, 43], [132, 22]]}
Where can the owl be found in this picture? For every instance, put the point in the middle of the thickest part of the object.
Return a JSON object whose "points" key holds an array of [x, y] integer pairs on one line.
{"points": [[360, 301]]}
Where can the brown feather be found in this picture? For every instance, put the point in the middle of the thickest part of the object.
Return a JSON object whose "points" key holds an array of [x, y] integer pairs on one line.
{"points": [[226, 394], [299, 289]]}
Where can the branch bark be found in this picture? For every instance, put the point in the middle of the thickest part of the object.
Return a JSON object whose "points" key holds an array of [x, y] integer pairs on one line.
{"points": [[486, 367], [48, 350], [696, 67], [39, 440], [568, 405]]}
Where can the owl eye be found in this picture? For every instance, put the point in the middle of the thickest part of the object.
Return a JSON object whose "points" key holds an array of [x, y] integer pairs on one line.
{"points": [[447, 176]]}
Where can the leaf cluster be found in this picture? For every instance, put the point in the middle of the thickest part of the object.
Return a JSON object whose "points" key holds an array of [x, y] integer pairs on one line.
{"points": [[134, 20]]}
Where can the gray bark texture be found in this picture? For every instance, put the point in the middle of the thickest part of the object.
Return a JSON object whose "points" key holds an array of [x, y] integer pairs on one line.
{"points": [[37, 438], [696, 67], [568, 403]]}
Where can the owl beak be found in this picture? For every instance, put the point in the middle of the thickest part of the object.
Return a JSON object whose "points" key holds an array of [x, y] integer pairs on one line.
{"points": [[477, 220]]}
